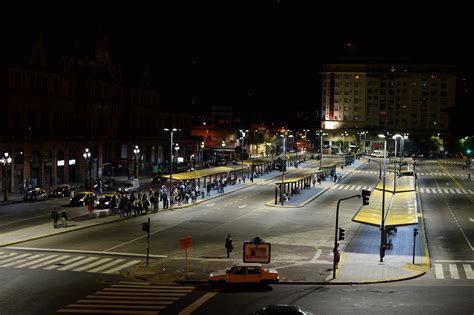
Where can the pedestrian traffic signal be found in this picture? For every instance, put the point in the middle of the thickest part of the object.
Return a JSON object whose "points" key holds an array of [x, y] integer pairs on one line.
{"points": [[365, 197], [342, 232], [145, 227]]}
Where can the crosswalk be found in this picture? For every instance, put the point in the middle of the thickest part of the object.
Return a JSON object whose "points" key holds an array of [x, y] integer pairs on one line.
{"points": [[128, 297], [463, 175], [94, 264], [453, 191], [454, 270]]}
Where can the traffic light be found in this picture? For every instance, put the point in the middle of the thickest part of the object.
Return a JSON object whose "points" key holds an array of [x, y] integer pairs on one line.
{"points": [[365, 197], [145, 227], [341, 234], [468, 151]]}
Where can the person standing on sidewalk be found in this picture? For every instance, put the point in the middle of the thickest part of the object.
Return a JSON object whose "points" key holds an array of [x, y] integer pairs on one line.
{"points": [[228, 245], [64, 218], [55, 217]]}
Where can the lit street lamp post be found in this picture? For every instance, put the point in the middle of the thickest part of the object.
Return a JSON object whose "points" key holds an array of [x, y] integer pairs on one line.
{"points": [[243, 133], [321, 134], [6, 160], [87, 156], [283, 166], [382, 223], [202, 154], [395, 137], [136, 152], [171, 162]]}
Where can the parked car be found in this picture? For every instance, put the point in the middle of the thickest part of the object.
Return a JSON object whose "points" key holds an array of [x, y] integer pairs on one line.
{"points": [[280, 309], [104, 201], [106, 183], [82, 198], [61, 191], [35, 194], [245, 273], [127, 188]]}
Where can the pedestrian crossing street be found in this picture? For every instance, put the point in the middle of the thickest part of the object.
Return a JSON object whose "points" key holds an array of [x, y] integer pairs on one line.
{"points": [[455, 191], [59, 262], [127, 297], [446, 271]]}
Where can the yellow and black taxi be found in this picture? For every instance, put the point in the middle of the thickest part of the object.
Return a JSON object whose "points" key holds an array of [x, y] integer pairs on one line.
{"points": [[61, 191], [35, 194], [83, 198], [245, 273], [103, 202]]}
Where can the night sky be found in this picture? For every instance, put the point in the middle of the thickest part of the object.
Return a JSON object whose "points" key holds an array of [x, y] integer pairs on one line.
{"points": [[257, 56]]}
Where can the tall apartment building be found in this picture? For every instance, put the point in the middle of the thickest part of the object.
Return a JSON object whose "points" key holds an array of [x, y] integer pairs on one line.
{"points": [[410, 99]]}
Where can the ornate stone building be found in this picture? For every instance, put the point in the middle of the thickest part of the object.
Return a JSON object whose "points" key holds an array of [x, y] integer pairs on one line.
{"points": [[54, 107]]}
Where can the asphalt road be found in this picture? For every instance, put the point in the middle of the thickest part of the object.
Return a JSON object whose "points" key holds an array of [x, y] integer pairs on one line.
{"points": [[296, 234]]}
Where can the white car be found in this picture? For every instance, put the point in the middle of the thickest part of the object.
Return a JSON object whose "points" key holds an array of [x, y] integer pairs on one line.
{"points": [[245, 273]]}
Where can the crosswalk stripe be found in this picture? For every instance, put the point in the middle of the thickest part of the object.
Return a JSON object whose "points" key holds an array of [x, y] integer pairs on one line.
{"points": [[176, 288], [110, 264], [439, 271], [131, 297], [147, 284], [458, 191], [93, 264], [464, 191], [177, 293], [64, 262], [110, 293], [127, 312], [453, 270], [20, 261], [151, 307], [78, 263], [470, 191], [126, 302], [130, 263], [468, 271], [137, 291], [13, 258], [32, 262], [48, 262], [7, 255]]}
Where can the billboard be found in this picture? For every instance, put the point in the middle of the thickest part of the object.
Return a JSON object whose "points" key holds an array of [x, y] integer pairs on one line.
{"points": [[257, 253]]}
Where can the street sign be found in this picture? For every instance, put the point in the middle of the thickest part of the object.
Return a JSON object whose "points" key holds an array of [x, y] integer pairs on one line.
{"points": [[257, 253], [186, 242]]}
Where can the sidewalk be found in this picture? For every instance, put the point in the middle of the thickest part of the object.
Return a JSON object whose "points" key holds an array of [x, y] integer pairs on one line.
{"points": [[359, 259]]}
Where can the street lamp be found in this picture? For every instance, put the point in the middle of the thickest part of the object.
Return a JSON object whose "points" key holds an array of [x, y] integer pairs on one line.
{"points": [[202, 154], [283, 166], [171, 160], [321, 134], [136, 152], [242, 136], [87, 156], [6, 160], [382, 223], [395, 137], [344, 134], [402, 146]]}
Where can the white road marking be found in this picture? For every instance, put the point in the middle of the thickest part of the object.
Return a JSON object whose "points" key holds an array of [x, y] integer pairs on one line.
{"points": [[130, 263], [439, 271], [210, 205], [242, 206], [13, 258], [93, 264], [203, 299], [468, 271], [453, 270], [78, 263], [110, 264], [64, 262]]}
